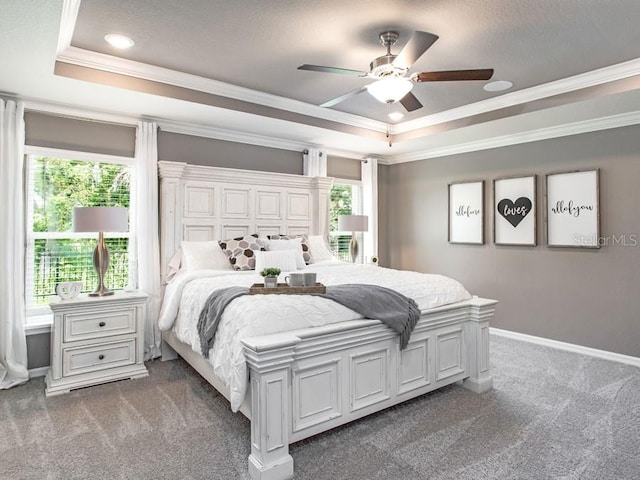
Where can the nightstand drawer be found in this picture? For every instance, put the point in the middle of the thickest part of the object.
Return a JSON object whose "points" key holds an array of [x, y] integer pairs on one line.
{"points": [[91, 324], [98, 357]]}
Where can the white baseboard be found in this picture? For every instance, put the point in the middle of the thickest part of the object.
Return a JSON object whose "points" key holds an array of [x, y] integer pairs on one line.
{"points": [[38, 372], [569, 347]]}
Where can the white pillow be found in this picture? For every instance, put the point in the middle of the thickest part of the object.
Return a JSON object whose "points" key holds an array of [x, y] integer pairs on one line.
{"points": [[293, 244], [204, 256], [174, 265], [285, 260], [319, 250]]}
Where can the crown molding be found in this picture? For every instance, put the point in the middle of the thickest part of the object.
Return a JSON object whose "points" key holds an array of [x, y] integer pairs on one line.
{"points": [[574, 128], [232, 135], [248, 138], [108, 63], [568, 129], [68, 20], [73, 111], [123, 66], [184, 171], [577, 82]]}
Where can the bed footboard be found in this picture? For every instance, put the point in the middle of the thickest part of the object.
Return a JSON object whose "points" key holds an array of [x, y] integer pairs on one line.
{"points": [[312, 380]]}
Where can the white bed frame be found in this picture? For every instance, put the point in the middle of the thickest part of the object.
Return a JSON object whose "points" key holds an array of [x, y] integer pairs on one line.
{"points": [[312, 380]]}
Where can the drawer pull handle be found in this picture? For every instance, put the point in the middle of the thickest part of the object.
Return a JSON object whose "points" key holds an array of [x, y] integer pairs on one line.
{"points": [[101, 324], [101, 357]]}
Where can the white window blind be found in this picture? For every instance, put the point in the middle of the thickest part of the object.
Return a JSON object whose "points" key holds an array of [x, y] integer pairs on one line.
{"points": [[57, 182]]}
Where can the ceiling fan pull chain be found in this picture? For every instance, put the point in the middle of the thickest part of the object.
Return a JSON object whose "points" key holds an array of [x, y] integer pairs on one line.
{"points": [[388, 126]]}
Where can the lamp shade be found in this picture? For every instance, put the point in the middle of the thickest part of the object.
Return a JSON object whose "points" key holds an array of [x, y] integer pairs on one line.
{"points": [[353, 223], [100, 219], [390, 90]]}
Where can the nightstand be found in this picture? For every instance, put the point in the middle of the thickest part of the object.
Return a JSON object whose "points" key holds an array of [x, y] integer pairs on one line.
{"points": [[96, 340]]}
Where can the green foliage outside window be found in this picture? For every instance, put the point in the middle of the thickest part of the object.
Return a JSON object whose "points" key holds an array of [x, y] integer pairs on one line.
{"points": [[58, 185], [341, 203]]}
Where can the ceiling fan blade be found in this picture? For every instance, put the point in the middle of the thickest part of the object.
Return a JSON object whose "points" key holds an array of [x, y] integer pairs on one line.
{"points": [[453, 75], [342, 71], [415, 47], [410, 102], [344, 97]]}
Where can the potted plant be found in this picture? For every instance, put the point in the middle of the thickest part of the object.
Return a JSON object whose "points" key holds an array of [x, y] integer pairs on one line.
{"points": [[270, 277]]}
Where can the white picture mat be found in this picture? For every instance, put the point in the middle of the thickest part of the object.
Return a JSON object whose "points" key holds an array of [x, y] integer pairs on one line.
{"points": [[572, 209], [514, 188], [467, 198]]}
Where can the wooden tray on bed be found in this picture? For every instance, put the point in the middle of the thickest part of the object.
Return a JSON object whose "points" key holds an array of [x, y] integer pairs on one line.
{"points": [[283, 288]]}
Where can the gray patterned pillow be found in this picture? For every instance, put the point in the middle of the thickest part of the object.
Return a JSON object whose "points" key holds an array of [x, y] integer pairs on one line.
{"points": [[306, 251], [240, 251]]}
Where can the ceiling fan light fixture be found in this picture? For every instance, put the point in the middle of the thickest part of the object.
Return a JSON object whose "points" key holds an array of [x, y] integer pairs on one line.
{"points": [[390, 90], [395, 116], [119, 41]]}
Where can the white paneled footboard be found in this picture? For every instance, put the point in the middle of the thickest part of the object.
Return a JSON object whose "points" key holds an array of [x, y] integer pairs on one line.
{"points": [[309, 381]]}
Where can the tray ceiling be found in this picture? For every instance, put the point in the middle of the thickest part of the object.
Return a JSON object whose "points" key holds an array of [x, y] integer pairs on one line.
{"points": [[229, 69]]}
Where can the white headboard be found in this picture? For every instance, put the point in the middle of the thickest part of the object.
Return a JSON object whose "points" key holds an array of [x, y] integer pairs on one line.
{"points": [[212, 203]]}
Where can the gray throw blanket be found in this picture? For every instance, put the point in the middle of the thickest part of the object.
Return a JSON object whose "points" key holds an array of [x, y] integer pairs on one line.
{"points": [[212, 313], [398, 312]]}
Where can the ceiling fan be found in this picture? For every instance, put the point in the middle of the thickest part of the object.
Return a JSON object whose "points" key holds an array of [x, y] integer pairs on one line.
{"points": [[390, 71]]}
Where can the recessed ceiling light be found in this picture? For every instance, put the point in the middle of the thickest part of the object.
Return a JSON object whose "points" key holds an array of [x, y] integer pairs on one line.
{"points": [[395, 116], [498, 86], [119, 41]]}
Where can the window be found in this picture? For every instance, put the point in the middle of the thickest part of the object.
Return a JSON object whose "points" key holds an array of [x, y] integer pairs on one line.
{"points": [[56, 184], [345, 199]]}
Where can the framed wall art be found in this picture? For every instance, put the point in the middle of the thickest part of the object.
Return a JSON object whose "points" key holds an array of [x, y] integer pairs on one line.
{"points": [[573, 210], [466, 212], [514, 211]]}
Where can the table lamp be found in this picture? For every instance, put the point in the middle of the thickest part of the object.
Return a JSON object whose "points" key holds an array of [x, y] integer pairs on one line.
{"points": [[353, 223], [100, 219]]}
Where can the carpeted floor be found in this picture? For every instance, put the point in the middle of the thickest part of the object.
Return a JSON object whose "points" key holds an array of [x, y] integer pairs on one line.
{"points": [[551, 415]]}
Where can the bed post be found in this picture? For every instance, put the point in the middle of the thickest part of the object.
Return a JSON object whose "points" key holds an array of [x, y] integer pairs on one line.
{"points": [[269, 366], [170, 174], [481, 310], [321, 188]]}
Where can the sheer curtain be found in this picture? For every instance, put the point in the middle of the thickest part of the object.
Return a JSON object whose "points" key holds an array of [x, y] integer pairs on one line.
{"points": [[370, 207], [13, 344], [144, 229]]}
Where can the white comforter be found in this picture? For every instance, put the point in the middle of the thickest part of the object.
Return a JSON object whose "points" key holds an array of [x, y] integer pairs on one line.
{"points": [[255, 315]]}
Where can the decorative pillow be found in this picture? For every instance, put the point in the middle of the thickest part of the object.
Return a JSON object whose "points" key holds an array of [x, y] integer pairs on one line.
{"points": [[292, 245], [174, 265], [205, 255], [319, 249], [306, 254], [241, 251], [285, 260]]}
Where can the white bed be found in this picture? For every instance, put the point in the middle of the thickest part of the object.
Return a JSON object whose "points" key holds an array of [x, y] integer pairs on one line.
{"points": [[311, 364], [253, 316]]}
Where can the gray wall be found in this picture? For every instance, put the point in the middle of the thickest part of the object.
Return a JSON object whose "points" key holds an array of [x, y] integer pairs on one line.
{"points": [[341, 167], [220, 153], [44, 130], [38, 347], [581, 296], [383, 215]]}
